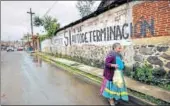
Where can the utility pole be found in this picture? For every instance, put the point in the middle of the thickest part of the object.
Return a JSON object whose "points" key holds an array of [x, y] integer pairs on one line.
{"points": [[28, 36], [31, 13]]}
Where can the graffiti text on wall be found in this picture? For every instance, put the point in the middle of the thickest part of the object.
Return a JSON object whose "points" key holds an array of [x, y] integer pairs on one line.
{"points": [[111, 33]]}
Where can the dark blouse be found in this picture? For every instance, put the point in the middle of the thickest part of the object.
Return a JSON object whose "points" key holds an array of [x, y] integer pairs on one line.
{"points": [[108, 70], [112, 58]]}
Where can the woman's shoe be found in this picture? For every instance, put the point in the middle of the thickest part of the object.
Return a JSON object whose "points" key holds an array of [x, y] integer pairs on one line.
{"points": [[113, 104]]}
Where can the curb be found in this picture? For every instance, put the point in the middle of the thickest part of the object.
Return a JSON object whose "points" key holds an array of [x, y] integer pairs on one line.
{"points": [[139, 87], [132, 98]]}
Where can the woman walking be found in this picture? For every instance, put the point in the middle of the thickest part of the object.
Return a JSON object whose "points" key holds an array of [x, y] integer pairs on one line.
{"points": [[113, 86]]}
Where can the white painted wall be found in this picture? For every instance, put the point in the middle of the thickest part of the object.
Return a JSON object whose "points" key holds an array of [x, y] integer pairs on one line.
{"points": [[113, 17], [45, 45], [94, 50]]}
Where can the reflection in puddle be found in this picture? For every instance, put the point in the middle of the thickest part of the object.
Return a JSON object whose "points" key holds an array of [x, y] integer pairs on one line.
{"points": [[36, 82], [37, 61]]}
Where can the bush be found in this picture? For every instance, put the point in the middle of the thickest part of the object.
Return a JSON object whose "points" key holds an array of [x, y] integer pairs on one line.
{"points": [[144, 73], [159, 73], [168, 76], [129, 71], [148, 75]]}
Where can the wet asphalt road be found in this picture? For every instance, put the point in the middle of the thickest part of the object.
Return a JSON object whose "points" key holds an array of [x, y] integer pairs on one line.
{"points": [[26, 80]]}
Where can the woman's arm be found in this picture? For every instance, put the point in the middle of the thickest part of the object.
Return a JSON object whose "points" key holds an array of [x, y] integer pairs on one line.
{"points": [[110, 62]]}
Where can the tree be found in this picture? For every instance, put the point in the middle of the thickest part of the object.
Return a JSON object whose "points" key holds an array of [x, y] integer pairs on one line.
{"points": [[42, 37], [38, 21], [50, 25], [85, 7]]}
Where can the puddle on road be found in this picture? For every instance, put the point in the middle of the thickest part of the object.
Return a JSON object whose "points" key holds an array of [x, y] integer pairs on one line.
{"points": [[37, 60], [36, 82], [69, 88]]}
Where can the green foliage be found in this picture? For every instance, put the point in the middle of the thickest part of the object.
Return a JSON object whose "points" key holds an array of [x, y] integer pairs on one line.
{"points": [[42, 37], [85, 7], [128, 72], [159, 72], [148, 98], [50, 24], [38, 21], [148, 75], [168, 75], [144, 73]]}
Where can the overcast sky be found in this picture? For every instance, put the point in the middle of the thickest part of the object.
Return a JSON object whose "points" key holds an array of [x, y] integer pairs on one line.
{"points": [[15, 22]]}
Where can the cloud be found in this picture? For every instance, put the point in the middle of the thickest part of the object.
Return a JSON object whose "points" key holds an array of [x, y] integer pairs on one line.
{"points": [[15, 21]]}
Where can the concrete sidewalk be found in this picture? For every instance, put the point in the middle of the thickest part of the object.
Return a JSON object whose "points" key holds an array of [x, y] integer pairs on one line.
{"points": [[131, 84]]}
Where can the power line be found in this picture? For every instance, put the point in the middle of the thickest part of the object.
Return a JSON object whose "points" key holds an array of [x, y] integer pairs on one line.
{"points": [[50, 8]]}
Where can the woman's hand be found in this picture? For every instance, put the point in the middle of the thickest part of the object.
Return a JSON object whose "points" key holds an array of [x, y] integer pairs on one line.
{"points": [[114, 65]]}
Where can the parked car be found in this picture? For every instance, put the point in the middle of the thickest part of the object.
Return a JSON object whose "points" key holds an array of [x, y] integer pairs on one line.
{"points": [[20, 49], [3, 48], [10, 49]]}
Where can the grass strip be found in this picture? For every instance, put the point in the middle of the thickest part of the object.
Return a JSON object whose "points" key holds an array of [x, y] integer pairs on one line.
{"points": [[99, 80], [147, 97]]}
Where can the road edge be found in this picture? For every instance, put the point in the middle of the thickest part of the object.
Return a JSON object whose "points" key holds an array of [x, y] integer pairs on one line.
{"points": [[93, 78]]}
